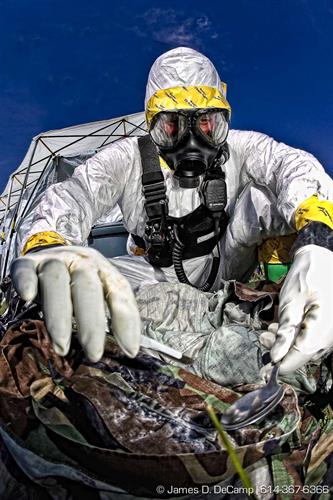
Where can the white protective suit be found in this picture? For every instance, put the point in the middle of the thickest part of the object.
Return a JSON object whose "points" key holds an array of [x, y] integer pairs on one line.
{"points": [[266, 182]]}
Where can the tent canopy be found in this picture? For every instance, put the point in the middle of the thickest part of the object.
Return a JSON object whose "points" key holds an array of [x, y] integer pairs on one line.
{"points": [[37, 169]]}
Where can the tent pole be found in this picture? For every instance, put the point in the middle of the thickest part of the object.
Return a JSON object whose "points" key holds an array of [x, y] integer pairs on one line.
{"points": [[14, 218], [35, 188], [7, 204], [3, 239]]}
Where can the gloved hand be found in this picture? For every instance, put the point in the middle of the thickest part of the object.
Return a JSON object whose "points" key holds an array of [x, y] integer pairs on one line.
{"points": [[306, 310], [77, 279]]}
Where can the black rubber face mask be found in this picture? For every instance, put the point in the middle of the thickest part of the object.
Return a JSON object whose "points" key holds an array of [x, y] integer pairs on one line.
{"points": [[190, 141]]}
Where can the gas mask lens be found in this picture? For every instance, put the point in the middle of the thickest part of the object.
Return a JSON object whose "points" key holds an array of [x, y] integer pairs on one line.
{"points": [[169, 127], [212, 126]]}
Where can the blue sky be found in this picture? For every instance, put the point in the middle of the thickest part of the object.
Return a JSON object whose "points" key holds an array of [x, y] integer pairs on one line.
{"points": [[69, 62]]}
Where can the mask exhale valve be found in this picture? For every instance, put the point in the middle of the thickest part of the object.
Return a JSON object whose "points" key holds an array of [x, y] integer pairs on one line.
{"points": [[188, 173]]}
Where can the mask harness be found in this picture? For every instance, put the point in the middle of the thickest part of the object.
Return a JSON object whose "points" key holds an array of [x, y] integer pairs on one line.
{"points": [[169, 240]]}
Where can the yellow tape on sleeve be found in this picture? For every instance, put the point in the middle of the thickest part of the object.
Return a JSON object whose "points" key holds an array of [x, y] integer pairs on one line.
{"points": [[313, 209], [43, 239]]}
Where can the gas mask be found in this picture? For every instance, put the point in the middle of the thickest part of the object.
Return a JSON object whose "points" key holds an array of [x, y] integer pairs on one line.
{"points": [[190, 141]]}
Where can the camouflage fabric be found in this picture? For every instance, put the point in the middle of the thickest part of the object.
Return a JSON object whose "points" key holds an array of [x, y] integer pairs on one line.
{"points": [[216, 329], [121, 427]]}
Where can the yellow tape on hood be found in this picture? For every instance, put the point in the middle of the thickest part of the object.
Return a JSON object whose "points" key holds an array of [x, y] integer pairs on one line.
{"points": [[199, 96], [313, 209]]}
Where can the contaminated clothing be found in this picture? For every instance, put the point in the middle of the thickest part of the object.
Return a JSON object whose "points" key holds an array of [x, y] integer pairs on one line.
{"points": [[119, 428]]}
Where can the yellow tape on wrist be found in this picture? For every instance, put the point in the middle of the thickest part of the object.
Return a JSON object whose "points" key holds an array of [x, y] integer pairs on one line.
{"points": [[43, 239], [313, 209], [199, 96], [276, 250]]}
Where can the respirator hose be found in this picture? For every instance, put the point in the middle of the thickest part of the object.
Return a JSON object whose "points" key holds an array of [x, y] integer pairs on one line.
{"points": [[177, 257]]}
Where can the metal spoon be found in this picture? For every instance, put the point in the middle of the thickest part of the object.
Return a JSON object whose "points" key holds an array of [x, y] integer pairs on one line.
{"points": [[255, 405]]}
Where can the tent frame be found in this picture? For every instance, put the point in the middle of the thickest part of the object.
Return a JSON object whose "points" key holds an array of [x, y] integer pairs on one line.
{"points": [[15, 208]]}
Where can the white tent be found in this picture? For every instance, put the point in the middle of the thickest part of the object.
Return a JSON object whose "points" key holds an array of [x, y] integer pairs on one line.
{"points": [[48, 155]]}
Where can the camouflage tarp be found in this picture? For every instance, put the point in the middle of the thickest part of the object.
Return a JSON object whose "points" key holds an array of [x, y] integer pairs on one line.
{"points": [[121, 428]]}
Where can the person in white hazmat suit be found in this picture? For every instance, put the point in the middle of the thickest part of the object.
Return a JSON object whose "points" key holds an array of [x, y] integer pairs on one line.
{"points": [[245, 186]]}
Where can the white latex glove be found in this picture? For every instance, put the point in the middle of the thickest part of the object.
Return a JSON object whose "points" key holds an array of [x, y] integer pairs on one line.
{"points": [[76, 280], [306, 310]]}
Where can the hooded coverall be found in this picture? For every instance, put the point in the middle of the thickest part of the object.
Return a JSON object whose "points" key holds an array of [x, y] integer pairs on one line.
{"points": [[272, 190], [266, 182]]}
